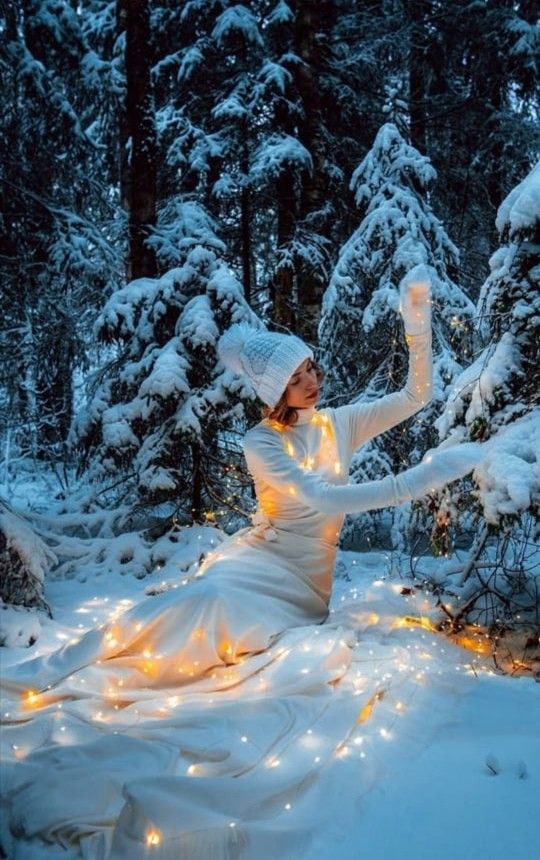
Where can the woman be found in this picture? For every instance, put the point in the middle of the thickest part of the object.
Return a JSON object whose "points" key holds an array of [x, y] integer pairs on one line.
{"points": [[270, 583]]}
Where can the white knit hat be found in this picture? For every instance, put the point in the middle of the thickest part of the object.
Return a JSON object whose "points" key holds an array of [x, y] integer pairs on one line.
{"points": [[267, 358]]}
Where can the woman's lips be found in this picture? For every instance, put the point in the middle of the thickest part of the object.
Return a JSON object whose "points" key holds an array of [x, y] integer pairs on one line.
{"points": [[313, 393]]}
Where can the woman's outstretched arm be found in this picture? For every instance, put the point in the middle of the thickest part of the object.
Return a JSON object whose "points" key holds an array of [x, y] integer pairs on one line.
{"points": [[269, 463]]}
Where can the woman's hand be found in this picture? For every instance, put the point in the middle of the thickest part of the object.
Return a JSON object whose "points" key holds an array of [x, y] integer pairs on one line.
{"points": [[415, 301], [457, 461], [438, 468]]}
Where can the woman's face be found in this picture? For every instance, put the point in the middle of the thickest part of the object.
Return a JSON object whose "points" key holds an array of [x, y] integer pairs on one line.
{"points": [[303, 388]]}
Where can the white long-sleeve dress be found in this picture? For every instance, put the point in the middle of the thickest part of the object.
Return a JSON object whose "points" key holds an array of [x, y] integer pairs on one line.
{"points": [[177, 714]]}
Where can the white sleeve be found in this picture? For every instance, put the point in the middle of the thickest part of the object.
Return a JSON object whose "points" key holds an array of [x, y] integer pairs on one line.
{"points": [[363, 421], [268, 462]]}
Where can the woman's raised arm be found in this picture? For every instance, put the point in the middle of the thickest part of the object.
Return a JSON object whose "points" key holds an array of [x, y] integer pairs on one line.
{"points": [[364, 420]]}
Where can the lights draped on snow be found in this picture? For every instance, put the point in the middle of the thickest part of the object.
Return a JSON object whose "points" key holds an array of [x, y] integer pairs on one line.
{"points": [[353, 746]]}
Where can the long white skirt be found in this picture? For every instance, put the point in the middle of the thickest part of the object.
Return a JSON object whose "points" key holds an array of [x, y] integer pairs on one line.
{"points": [[196, 725]]}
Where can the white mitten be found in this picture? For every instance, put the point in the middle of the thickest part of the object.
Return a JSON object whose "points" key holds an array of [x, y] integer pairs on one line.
{"points": [[415, 301], [440, 468]]}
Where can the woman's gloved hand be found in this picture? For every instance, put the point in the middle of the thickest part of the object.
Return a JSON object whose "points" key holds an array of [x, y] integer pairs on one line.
{"points": [[415, 301], [441, 467]]}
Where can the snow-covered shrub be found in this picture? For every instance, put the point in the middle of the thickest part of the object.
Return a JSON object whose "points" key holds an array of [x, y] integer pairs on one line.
{"points": [[24, 561], [162, 409], [496, 399], [132, 554], [362, 347]]}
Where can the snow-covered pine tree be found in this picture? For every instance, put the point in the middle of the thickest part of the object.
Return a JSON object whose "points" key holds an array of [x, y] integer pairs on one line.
{"points": [[232, 133], [246, 104], [480, 67], [496, 399], [220, 76], [59, 236], [162, 414], [362, 348]]}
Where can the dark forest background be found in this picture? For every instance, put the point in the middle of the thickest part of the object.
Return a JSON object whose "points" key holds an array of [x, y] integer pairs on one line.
{"points": [[169, 168]]}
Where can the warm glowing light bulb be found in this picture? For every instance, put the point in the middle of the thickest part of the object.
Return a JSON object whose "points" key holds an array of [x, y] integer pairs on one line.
{"points": [[32, 698], [153, 837], [225, 649], [198, 633]]}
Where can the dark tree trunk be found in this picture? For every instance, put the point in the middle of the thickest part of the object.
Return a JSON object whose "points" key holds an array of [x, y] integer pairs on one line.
{"points": [[47, 384], [245, 206], [282, 287], [124, 171], [283, 282], [54, 386], [9, 9], [312, 21], [196, 492], [416, 12], [140, 120]]}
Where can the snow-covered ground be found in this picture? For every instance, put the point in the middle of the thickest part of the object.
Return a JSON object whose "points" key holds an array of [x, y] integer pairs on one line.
{"points": [[452, 769]]}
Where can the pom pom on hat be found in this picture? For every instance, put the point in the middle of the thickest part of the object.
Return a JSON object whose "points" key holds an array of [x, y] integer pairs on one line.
{"points": [[267, 358], [232, 343]]}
